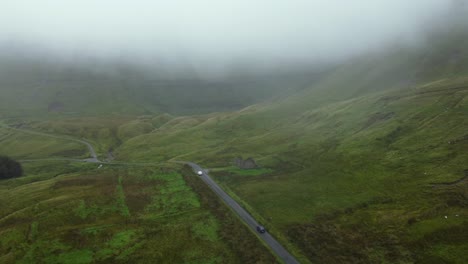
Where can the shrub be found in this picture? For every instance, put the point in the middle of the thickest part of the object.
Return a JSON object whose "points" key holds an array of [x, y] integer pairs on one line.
{"points": [[9, 168]]}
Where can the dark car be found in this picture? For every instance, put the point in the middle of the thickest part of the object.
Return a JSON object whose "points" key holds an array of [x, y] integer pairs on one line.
{"points": [[261, 229]]}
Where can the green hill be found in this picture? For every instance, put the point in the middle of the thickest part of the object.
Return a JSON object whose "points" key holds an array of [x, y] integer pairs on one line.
{"points": [[366, 174], [363, 162]]}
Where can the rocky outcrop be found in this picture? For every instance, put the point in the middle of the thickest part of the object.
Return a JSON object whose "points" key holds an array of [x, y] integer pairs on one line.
{"points": [[248, 163]]}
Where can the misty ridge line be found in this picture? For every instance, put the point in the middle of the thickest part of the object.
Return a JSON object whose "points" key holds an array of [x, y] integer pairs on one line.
{"points": [[213, 39]]}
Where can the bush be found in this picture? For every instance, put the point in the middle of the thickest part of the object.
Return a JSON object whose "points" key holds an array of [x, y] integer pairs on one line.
{"points": [[9, 168]]}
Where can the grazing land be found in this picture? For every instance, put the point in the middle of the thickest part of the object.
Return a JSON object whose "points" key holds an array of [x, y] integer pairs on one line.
{"points": [[63, 212]]}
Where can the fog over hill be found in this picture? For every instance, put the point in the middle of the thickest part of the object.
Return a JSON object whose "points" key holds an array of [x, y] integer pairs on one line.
{"points": [[181, 57], [213, 36]]}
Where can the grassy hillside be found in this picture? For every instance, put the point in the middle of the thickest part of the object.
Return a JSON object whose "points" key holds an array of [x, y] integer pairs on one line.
{"points": [[366, 163], [361, 175]]}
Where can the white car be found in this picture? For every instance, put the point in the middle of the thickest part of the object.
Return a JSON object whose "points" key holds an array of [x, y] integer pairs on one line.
{"points": [[200, 173]]}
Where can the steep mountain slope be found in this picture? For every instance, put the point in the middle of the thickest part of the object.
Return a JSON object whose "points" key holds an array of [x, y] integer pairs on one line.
{"points": [[366, 165]]}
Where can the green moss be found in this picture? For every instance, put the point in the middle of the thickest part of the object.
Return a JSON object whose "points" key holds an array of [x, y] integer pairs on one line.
{"points": [[249, 172], [11, 238], [208, 229], [133, 129], [81, 211], [174, 198], [426, 227], [73, 257], [123, 241], [451, 253], [121, 206], [46, 250], [34, 231]]}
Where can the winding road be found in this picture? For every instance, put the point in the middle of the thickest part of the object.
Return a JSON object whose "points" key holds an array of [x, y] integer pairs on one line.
{"points": [[92, 152], [275, 246]]}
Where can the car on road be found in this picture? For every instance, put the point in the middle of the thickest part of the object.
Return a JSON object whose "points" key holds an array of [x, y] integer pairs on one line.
{"points": [[261, 229], [200, 173]]}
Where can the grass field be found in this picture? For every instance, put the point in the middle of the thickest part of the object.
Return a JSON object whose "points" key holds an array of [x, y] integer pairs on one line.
{"points": [[80, 214]]}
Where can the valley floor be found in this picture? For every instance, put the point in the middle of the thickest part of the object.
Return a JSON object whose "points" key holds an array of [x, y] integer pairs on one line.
{"points": [[376, 179]]}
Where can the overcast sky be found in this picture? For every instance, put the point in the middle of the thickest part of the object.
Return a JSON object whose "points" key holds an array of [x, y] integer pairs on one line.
{"points": [[218, 30]]}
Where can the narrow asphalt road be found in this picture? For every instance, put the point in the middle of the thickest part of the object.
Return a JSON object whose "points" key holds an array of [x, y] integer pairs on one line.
{"points": [[93, 156], [279, 250], [92, 152]]}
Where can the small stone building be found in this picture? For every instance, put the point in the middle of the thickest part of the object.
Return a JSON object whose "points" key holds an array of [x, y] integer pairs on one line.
{"points": [[248, 163]]}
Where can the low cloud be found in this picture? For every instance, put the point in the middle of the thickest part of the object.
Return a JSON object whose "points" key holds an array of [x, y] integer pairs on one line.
{"points": [[215, 33]]}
